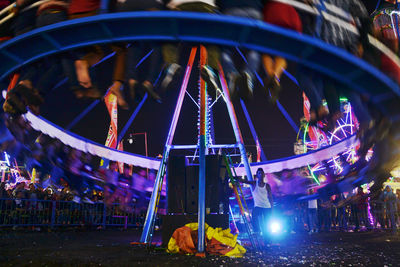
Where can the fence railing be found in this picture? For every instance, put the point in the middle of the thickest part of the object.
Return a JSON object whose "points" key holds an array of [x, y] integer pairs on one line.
{"points": [[52, 213]]}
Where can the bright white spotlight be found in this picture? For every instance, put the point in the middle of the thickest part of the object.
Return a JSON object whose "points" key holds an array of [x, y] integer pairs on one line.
{"points": [[4, 94], [130, 139], [275, 227]]}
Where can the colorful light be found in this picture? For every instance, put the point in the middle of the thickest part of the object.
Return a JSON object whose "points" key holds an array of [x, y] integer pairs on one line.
{"points": [[275, 227], [7, 159]]}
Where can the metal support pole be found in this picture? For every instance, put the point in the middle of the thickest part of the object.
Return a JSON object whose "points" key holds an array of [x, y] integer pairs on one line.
{"points": [[202, 156], [151, 210], [233, 219], [253, 130], [235, 124]]}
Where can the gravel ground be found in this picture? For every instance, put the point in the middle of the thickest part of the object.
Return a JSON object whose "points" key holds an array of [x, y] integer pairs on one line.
{"points": [[112, 248]]}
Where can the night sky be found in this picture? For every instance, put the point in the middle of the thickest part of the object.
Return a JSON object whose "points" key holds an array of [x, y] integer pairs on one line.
{"points": [[275, 133]]}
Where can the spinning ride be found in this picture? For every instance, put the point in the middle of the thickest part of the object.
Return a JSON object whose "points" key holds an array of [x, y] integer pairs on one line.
{"points": [[192, 27]]}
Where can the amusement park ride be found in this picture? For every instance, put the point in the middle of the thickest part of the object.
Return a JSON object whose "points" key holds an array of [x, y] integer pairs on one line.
{"points": [[230, 32]]}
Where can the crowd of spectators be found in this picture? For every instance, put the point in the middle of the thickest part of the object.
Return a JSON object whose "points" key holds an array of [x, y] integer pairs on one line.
{"points": [[353, 212]]}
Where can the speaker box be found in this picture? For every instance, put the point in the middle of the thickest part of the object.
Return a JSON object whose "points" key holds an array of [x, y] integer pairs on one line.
{"points": [[213, 185], [183, 185], [192, 188], [176, 180]]}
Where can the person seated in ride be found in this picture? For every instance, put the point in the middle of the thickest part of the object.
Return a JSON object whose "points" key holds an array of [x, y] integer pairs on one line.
{"points": [[170, 51], [343, 37], [240, 75], [86, 57], [35, 80], [128, 56], [282, 15], [387, 34]]}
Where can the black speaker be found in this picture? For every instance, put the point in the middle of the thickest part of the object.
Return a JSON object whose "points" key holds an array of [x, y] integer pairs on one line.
{"points": [[183, 185], [192, 188], [213, 185], [176, 181]]}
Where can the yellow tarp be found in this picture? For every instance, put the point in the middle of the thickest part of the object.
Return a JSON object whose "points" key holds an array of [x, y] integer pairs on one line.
{"points": [[218, 241]]}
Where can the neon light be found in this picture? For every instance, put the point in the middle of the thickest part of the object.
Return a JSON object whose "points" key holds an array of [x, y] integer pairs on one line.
{"points": [[6, 157], [304, 137]]}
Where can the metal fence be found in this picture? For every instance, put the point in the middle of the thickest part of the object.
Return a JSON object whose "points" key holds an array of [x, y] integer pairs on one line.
{"points": [[52, 213]]}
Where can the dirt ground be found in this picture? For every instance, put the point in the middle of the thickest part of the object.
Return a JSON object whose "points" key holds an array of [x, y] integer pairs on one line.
{"points": [[111, 247]]}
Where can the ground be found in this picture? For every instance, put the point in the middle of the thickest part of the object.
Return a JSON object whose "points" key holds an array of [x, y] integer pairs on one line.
{"points": [[112, 247]]}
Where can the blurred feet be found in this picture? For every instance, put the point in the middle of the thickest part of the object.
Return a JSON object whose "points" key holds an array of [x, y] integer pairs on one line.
{"points": [[211, 79], [116, 89], [245, 84], [136, 91], [149, 88], [21, 97], [274, 87], [172, 73], [83, 92]]}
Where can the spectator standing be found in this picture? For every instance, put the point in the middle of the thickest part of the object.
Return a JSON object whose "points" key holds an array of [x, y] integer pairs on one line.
{"points": [[312, 214], [389, 199], [361, 210]]}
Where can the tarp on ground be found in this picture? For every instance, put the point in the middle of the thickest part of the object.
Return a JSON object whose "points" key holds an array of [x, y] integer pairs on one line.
{"points": [[218, 241]]}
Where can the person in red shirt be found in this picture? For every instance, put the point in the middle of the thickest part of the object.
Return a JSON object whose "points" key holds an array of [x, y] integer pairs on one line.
{"points": [[89, 56], [83, 8], [282, 15]]}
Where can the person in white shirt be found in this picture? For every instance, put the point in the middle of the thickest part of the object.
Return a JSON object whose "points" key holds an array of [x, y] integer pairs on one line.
{"points": [[312, 214], [263, 200]]}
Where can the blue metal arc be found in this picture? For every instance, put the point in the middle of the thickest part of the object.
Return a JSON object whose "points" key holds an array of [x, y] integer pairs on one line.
{"points": [[195, 27]]}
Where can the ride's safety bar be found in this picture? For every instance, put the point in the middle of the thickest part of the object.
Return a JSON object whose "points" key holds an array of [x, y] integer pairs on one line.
{"points": [[10, 7]]}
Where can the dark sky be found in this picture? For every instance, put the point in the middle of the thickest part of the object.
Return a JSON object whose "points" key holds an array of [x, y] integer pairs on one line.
{"points": [[275, 133]]}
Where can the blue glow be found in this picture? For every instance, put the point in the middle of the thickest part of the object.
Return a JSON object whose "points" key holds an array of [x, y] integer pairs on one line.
{"points": [[275, 227]]}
